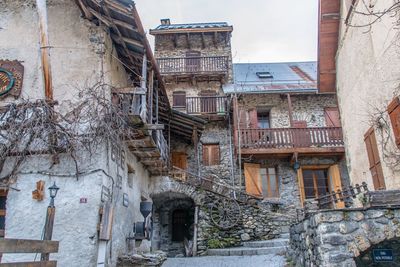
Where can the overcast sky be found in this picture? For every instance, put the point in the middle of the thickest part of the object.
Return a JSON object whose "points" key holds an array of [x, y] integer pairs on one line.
{"points": [[263, 30]]}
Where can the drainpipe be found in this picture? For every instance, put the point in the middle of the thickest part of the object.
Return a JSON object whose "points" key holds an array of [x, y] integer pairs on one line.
{"points": [[290, 110], [196, 220], [45, 49]]}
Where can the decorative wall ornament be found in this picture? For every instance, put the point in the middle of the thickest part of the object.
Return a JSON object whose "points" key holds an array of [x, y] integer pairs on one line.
{"points": [[38, 193], [11, 78]]}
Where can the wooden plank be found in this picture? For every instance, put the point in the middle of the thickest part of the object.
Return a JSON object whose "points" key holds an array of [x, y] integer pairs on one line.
{"points": [[30, 264], [27, 246], [106, 222]]}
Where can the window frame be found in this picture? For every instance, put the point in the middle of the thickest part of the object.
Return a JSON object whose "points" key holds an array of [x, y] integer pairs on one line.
{"points": [[176, 102], [207, 150], [260, 115], [268, 181]]}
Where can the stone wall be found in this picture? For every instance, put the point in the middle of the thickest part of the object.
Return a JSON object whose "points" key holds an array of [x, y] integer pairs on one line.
{"points": [[305, 107], [336, 237]]}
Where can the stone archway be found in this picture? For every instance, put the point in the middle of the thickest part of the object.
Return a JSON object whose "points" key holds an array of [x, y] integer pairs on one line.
{"points": [[173, 222]]}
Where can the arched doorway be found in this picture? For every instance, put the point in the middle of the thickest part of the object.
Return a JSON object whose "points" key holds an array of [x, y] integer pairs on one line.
{"points": [[386, 253], [173, 222]]}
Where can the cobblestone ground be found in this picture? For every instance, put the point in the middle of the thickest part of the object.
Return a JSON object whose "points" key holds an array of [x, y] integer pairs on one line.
{"points": [[228, 261]]}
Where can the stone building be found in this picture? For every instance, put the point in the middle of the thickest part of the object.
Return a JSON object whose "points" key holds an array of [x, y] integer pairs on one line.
{"points": [[88, 68], [363, 55], [287, 133]]}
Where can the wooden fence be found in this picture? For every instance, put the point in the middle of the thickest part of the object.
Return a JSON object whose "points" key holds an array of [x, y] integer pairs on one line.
{"points": [[28, 246]]}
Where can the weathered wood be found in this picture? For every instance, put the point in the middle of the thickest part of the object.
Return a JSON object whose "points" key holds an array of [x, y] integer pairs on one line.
{"points": [[45, 49], [290, 110], [106, 222], [184, 65], [30, 264], [27, 246], [384, 198], [48, 229]]}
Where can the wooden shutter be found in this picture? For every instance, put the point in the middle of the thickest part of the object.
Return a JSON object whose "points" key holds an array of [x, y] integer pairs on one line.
{"points": [[211, 155], [253, 118], [243, 114], [179, 99], [253, 179], [179, 160], [374, 160], [335, 183], [332, 117], [301, 186], [394, 114]]}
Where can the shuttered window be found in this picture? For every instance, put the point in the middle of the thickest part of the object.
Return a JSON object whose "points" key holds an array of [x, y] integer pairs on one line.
{"points": [[394, 114], [261, 181], [375, 165], [211, 155], [179, 160], [179, 99]]}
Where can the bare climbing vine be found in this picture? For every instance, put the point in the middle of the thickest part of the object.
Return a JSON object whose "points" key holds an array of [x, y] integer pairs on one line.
{"points": [[70, 128]]}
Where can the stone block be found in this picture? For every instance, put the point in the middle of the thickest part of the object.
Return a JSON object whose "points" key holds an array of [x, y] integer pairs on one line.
{"points": [[348, 227], [334, 216], [339, 257], [334, 239]]}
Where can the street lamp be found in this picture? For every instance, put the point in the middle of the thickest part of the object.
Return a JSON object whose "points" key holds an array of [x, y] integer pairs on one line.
{"points": [[53, 193], [51, 211]]}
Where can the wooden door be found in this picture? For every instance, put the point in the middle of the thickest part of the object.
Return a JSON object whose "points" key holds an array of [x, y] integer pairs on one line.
{"points": [[253, 179], [375, 165], [179, 225]]}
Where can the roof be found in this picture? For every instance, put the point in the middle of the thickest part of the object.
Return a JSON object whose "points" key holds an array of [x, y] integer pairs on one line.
{"points": [[192, 27], [277, 77]]}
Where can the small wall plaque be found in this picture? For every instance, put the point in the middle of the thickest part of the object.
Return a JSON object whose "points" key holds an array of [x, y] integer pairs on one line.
{"points": [[11, 77], [83, 200]]}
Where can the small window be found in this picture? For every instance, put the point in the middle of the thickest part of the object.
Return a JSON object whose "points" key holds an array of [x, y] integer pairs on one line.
{"points": [[179, 99], [263, 120], [264, 75], [211, 155]]}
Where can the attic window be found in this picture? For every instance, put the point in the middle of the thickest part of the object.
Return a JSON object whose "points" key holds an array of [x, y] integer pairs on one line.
{"points": [[264, 75]]}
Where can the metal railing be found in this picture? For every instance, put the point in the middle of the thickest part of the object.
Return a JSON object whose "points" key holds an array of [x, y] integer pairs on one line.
{"points": [[206, 105], [291, 137], [182, 65]]}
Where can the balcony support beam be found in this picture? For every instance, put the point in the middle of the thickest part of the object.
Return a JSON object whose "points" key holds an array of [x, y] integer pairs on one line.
{"points": [[290, 109]]}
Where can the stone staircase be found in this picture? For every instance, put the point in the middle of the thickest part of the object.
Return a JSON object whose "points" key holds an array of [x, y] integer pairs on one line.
{"points": [[265, 247]]}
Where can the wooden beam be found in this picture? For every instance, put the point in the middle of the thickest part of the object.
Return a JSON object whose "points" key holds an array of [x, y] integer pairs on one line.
{"points": [[30, 264], [327, 151], [27, 246], [203, 42], [45, 49], [188, 40], [290, 109], [215, 37], [84, 9], [100, 17]]}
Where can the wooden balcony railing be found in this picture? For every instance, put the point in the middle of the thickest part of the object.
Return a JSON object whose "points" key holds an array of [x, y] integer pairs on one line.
{"points": [[192, 65], [161, 144], [131, 102], [206, 105], [291, 137]]}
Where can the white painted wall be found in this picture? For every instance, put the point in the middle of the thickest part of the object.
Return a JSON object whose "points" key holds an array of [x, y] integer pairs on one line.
{"points": [[76, 62], [368, 72]]}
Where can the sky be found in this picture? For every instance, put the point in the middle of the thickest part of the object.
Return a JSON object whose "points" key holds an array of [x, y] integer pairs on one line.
{"points": [[263, 30]]}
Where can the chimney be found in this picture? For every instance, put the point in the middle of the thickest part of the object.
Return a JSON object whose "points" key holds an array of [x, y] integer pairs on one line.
{"points": [[165, 22]]}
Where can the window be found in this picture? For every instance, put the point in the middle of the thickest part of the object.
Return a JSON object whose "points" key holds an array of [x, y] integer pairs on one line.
{"points": [[269, 183], [261, 181], [263, 120], [211, 154], [394, 114], [192, 61], [179, 99], [264, 75], [315, 183], [375, 165], [179, 160]]}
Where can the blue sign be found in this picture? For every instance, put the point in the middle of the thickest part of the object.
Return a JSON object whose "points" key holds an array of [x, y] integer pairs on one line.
{"points": [[382, 255]]}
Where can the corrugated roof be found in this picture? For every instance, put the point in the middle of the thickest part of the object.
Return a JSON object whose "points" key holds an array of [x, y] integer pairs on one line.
{"points": [[287, 76], [193, 26]]}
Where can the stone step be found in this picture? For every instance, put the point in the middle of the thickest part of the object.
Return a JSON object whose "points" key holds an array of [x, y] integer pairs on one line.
{"points": [[246, 251], [285, 235], [267, 243]]}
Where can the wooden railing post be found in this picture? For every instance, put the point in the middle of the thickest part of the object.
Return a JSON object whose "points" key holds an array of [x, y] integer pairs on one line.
{"points": [[48, 229]]}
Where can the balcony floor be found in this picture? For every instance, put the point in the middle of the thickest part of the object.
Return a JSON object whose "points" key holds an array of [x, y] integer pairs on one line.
{"points": [[287, 152]]}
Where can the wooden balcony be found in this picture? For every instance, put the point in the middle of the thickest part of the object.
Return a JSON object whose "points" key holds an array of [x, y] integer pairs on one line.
{"points": [[319, 140], [207, 105], [181, 66], [149, 144]]}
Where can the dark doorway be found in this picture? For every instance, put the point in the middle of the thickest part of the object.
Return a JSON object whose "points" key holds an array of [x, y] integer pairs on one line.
{"points": [[180, 227]]}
